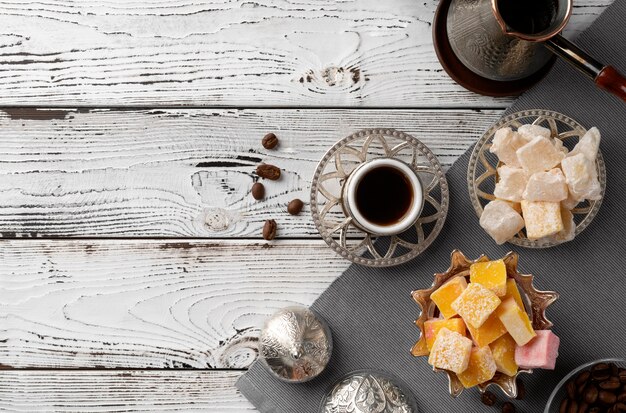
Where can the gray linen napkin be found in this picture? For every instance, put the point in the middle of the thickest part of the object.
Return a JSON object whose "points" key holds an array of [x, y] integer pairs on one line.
{"points": [[371, 313]]}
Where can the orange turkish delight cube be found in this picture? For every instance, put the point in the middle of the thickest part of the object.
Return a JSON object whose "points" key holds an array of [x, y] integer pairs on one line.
{"points": [[451, 351], [433, 326], [516, 321], [481, 367], [491, 330], [447, 293], [475, 304], [503, 350], [491, 274], [513, 291]]}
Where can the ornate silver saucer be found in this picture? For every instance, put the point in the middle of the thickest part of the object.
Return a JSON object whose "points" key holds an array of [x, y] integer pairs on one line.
{"points": [[337, 225], [535, 302], [482, 174]]}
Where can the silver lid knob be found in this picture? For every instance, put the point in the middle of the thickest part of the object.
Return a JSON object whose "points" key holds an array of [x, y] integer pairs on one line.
{"points": [[368, 392], [295, 344]]}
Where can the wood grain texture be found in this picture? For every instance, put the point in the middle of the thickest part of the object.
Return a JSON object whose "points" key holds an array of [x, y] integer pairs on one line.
{"points": [[121, 391], [179, 172], [235, 53], [148, 303]]}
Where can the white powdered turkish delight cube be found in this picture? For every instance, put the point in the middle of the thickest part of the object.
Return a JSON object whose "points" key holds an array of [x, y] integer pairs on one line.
{"points": [[539, 155], [505, 144], [511, 183], [546, 186], [570, 202], [558, 144], [501, 221], [569, 226], [530, 132], [541, 218], [588, 145], [581, 177]]}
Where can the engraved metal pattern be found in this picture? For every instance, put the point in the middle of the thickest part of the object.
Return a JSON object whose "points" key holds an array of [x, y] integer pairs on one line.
{"points": [[367, 392], [481, 171], [478, 41], [536, 303], [295, 344], [336, 225]]}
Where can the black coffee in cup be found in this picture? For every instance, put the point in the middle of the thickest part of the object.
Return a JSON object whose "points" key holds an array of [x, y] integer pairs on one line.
{"points": [[384, 195]]}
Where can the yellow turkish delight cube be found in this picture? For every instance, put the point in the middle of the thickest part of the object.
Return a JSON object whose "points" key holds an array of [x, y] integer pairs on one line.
{"points": [[488, 332], [503, 350], [451, 351], [432, 328], [481, 367], [513, 291], [516, 321], [491, 274], [475, 304], [542, 218], [447, 293]]}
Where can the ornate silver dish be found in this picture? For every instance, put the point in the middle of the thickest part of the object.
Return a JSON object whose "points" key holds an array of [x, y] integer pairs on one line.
{"points": [[336, 225], [368, 392], [482, 176], [536, 303]]}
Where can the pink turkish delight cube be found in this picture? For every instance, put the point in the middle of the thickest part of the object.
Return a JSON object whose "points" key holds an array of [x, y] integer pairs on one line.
{"points": [[540, 352]]}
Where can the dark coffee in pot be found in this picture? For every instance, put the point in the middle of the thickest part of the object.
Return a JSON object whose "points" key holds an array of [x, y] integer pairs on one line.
{"points": [[528, 16]]}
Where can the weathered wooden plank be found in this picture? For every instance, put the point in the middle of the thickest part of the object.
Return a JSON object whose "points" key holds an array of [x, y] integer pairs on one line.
{"points": [[237, 53], [148, 303], [76, 173], [121, 391]]}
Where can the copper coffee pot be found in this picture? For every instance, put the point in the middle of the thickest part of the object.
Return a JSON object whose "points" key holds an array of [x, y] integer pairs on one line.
{"points": [[503, 40]]}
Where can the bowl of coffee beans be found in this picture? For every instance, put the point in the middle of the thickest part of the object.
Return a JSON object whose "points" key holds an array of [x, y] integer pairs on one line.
{"points": [[596, 387]]}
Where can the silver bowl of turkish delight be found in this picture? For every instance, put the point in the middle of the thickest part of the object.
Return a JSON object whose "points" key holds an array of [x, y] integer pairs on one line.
{"points": [[536, 178]]}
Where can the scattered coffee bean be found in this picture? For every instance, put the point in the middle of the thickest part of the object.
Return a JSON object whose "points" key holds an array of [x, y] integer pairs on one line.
{"points": [[595, 410], [508, 407], [582, 408], [488, 398], [269, 229], [622, 376], [606, 397], [591, 394], [295, 206], [269, 141], [573, 407], [521, 390], [258, 191], [268, 171], [564, 407], [622, 397]]}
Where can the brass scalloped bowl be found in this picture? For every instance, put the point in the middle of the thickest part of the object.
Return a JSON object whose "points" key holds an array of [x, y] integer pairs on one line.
{"points": [[536, 303]]}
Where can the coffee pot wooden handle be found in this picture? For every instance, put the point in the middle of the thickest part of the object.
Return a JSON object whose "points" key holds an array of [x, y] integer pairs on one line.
{"points": [[613, 81]]}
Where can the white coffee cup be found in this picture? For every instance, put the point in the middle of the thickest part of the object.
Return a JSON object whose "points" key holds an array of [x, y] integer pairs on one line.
{"points": [[351, 206]]}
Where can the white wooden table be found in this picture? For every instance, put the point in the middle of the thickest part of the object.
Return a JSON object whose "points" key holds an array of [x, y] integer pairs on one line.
{"points": [[125, 125]]}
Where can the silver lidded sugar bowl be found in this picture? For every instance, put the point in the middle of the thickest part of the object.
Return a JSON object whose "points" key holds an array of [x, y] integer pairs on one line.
{"points": [[295, 344]]}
